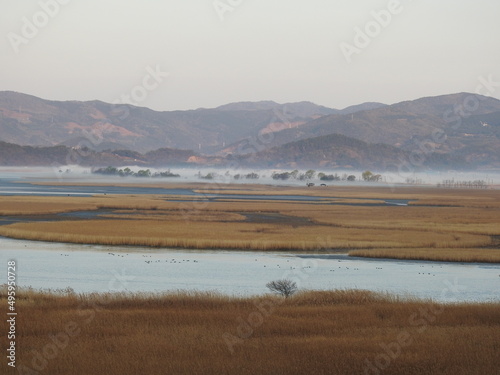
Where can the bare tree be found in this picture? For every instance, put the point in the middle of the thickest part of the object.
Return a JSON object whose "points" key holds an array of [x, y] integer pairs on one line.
{"points": [[284, 287]]}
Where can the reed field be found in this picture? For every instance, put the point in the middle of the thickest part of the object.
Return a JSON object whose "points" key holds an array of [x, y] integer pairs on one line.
{"points": [[437, 224], [447, 255], [39, 205], [328, 332]]}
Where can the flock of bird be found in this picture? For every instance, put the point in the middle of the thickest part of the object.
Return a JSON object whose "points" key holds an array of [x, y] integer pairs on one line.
{"points": [[175, 261]]}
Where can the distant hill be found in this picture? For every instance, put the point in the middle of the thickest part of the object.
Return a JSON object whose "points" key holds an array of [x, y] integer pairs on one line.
{"points": [[423, 124], [303, 110], [394, 124], [300, 109], [263, 105], [15, 155], [28, 120], [449, 129], [338, 151], [330, 151], [360, 107]]}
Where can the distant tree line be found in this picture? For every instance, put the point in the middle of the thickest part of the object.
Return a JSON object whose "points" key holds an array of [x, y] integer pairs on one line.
{"points": [[369, 176], [248, 176], [476, 184], [336, 177], [214, 175], [295, 174], [414, 181], [112, 171], [208, 176]]}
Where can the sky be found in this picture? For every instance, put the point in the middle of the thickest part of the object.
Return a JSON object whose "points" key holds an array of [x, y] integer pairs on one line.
{"points": [[186, 54]]}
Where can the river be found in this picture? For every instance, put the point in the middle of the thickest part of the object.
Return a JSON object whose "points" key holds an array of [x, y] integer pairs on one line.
{"points": [[91, 268]]}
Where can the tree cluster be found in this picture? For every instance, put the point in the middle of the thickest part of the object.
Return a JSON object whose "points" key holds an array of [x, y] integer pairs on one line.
{"points": [[295, 175], [249, 176], [335, 177], [112, 171], [476, 184], [369, 176]]}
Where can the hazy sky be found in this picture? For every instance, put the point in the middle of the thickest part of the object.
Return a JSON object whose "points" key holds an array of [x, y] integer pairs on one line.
{"points": [[186, 54]]}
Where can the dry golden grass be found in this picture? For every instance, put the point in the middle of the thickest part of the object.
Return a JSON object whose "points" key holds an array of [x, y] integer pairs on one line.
{"points": [[197, 234], [483, 221], [173, 215], [27, 205], [421, 195], [463, 227], [448, 255], [334, 332]]}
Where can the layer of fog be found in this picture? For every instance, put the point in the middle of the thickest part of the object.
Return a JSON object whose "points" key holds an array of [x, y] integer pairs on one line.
{"points": [[264, 176]]}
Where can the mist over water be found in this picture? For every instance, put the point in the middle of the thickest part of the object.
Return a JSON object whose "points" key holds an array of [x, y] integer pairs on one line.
{"points": [[75, 174]]}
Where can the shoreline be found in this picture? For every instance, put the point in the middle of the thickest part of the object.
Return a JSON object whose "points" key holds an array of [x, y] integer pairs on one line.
{"points": [[340, 251]]}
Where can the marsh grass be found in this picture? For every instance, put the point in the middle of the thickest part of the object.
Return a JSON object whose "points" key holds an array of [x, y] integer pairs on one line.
{"points": [[197, 234], [461, 228], [328, 332], [23, 205], [443, 254]]}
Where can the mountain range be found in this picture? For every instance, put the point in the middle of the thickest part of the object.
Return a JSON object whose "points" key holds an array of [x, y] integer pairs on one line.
{"points": [[453, 131]]}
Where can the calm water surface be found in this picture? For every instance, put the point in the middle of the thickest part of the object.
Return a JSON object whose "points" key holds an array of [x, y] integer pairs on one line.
{"points": [[89, 268]]}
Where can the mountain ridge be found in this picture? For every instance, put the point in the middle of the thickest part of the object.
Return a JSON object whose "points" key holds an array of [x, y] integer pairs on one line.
{"points": [[469, 132]]}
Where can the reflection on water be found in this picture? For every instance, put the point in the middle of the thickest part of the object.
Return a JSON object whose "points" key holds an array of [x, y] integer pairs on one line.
{"points": [[87, 268]]}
